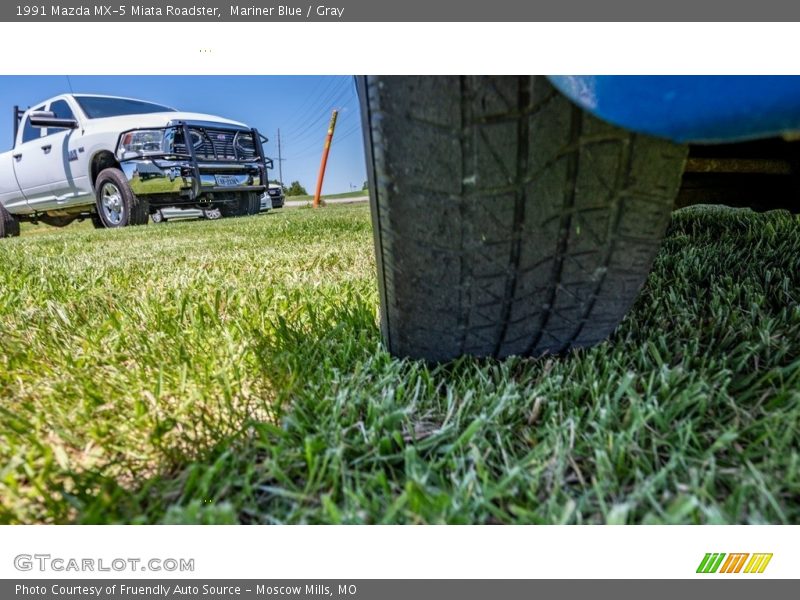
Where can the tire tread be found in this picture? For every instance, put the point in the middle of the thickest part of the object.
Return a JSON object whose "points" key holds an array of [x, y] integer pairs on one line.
{"points": [[508, 221]]}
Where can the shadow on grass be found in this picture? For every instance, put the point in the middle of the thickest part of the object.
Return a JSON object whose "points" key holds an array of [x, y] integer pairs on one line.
{"points": [[689, 414]]}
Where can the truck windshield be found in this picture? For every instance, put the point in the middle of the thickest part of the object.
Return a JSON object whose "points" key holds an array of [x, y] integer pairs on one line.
{"points": [[98, 107]]}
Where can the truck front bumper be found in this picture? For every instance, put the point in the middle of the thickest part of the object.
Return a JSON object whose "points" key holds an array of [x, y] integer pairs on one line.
{"points": [[181, 179], [187, 176]]}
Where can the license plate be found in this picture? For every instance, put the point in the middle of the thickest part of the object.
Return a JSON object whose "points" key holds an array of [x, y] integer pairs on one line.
{"points": [[227, 180]]}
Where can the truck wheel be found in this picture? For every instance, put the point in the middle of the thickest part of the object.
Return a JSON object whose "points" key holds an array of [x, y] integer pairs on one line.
{"points": [[246, 203], [9, 225], [506, 220], [117, 205]]}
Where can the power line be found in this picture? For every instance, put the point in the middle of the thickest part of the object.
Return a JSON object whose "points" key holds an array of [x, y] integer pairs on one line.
{"points": [[310, 98], [312, 140], [313, 129], [322, 108], [317, 105], [315, 140], [336, 140], [351, 131], [311, 132], [334, 99], [325, 99], [304, 139]]}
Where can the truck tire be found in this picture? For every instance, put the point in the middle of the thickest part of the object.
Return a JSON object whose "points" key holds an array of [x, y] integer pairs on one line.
{"points": [[506, 220], [9, 224], [117, 205], [246, 203]]}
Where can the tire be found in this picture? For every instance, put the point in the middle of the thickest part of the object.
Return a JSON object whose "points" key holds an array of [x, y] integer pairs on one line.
{"points": [[246, 204], [117, 205], [507, 221], [158, 217], [9, 224], [212, 214]]}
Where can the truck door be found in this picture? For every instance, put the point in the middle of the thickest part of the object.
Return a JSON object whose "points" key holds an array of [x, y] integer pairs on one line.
{"points": [[10, 195], [31, 165], [66, 159]]}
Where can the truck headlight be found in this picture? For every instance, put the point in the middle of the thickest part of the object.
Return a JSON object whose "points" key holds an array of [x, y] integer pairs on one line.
{"points": [[142, 143]]}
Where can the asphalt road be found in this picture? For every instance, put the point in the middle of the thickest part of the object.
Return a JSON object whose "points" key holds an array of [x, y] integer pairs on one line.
{"points": [[301, 203]]}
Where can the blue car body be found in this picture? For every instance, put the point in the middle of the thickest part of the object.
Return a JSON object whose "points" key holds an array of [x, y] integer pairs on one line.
{"points": [[691, 109]]}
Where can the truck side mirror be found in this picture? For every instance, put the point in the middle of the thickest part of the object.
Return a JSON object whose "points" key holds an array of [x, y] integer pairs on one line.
{"points": [[44, 118]]}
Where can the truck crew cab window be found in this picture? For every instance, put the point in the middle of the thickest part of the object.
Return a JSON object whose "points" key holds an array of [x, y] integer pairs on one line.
{"points": [[62, 111], [29, 132]]}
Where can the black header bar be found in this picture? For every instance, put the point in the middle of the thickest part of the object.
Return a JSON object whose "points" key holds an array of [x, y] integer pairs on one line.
{"points": [[405, 11]]}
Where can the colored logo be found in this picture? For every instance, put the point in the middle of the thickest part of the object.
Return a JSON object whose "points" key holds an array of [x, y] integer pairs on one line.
{"points": [[741, 562]]}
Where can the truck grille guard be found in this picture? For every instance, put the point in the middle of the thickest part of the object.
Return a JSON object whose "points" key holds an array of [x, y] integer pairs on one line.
{"points": [[219, 158], [259, 151]]}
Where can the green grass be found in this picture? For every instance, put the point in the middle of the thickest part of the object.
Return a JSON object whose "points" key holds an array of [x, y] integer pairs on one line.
{"points": [[232, 371]]}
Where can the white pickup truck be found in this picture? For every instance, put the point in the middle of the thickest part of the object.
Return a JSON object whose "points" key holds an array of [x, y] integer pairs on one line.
{"points": [[117, 160]]}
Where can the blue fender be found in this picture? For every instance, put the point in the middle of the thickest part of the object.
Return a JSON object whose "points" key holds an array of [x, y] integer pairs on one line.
{"points": [[686, 108]]}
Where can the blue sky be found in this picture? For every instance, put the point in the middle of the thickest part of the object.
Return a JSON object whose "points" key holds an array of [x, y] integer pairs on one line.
{"points": [[299, 105]]}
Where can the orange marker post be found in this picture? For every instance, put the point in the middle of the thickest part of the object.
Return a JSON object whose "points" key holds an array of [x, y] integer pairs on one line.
{"points": [[325, 151]]}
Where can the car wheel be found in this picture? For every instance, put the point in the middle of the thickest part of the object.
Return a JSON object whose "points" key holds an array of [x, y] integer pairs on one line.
{"points": [[117, 205], [507, 221], [246, 203], [9, 224], [158, 217]]}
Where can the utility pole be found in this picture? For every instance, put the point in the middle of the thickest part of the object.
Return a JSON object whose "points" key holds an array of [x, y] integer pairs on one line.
{"points": [[280, 161], [325, 151]]}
